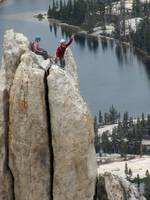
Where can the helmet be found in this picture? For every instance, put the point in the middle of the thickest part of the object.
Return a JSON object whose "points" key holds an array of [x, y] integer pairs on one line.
{"points": [[37, 38], [62, 41]]}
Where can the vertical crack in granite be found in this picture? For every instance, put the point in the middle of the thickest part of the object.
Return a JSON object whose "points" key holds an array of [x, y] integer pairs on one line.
{"points": [[101, 193], [12, 184], [6, 117], [6, 178], [95, 195], [49, 135]]}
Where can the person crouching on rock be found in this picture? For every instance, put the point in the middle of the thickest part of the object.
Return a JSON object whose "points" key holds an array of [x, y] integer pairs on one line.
{"points": [[37, 50], [60, 51]]}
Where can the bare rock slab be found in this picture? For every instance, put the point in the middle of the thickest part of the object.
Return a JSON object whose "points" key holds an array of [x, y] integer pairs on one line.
{"points": [[29, 155], [72, 139]]}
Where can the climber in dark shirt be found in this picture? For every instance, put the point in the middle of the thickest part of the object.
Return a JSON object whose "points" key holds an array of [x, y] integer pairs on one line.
{"points": [[60, 51]]}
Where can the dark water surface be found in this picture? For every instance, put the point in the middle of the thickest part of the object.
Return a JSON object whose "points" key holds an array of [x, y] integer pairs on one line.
{"points": [[109, 74]]}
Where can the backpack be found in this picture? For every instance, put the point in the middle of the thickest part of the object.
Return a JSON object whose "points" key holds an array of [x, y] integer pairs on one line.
{"points": [[31, 46]]}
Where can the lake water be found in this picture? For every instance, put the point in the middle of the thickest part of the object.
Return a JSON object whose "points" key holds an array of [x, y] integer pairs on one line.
{"points": [[109, 74]]}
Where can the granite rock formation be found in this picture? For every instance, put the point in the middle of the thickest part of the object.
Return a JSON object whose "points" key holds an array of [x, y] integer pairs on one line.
{"points": [[72, 139], [112, 187], [46, 135]]}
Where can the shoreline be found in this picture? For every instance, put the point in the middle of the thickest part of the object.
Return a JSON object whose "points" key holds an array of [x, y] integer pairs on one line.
{"points": [[79, 31]]}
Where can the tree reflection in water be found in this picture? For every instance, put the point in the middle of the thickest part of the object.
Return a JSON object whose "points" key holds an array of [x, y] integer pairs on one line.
{"points": [[111, 44], [104, 43], [123, 52], [80, 39], [92, 43], [143, 60], [119, 54]]}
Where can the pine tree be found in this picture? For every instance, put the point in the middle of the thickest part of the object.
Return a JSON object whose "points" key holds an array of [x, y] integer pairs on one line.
{"points": [[140, 131], [49, 11], [114, 139], [100, 119], [125, 122], [60, 5], [143, 120], [54, 6], [79, 12], [119, 116], [130, 173], [95, 125], [147, 173], [106, 118], [120, 130], [123, 18], [126, 171], [113, 114], [136, 10], [69, 10], [57, 5], [106, 144], [131, 122], [138, 181]]}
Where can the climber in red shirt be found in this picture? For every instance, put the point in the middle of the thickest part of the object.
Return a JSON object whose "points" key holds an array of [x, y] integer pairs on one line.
{"points": [[35, 47], [60, 51]]}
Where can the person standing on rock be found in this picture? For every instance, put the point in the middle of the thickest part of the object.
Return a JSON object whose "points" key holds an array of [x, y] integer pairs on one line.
{"points": [[35, 47], [60, 51]]}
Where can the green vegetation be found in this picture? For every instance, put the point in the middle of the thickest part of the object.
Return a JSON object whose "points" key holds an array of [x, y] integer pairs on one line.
{"points": [[128, 172], [92, 13], [72, 12], [84, 13], [139, 181], [141, 38], [126, 137]]}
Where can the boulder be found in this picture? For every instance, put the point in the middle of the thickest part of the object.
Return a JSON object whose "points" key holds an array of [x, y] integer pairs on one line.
{"points": [[112, 187]]}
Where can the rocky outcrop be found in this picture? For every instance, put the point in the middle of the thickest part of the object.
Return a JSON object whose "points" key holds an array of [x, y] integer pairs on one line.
{"points": [[6, 190], [72, 139], [29, 153], [15, 44], [71, 67], [112, 187], [46, 133]]}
